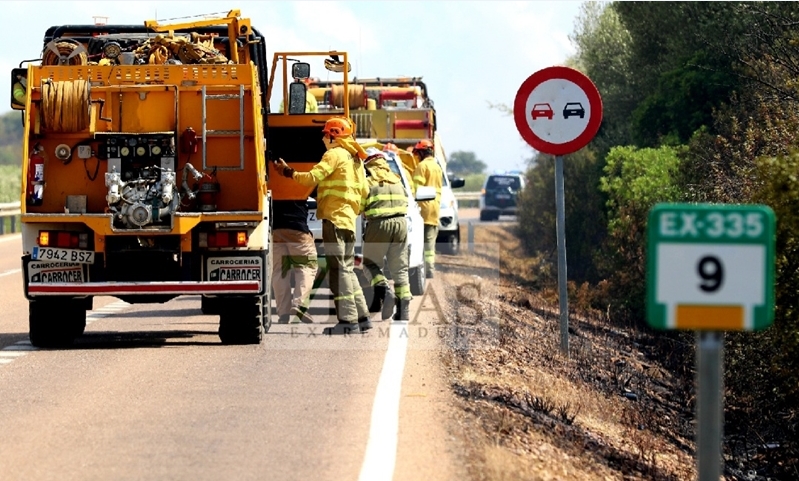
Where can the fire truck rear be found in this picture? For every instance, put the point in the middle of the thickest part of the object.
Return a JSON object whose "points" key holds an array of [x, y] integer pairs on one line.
{"points": [[143, 173]]}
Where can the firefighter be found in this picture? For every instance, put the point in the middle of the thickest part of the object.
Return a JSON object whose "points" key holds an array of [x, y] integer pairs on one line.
{"points": [[294, 252], [341, 186], [429, 174], [386, 236]]}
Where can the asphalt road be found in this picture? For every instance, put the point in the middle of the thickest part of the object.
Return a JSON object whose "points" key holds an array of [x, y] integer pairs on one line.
{"points": [[150, 393]]}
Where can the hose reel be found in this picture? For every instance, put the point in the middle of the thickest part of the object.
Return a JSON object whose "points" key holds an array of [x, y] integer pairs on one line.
{"points": [[64, 51], [66, 105]]}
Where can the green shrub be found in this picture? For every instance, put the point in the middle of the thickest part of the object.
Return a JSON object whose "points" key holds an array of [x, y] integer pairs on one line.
{"points": [[9, 183], [585, 221], [634, 181]]}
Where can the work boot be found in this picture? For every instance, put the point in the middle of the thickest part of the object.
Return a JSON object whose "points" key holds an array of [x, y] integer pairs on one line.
{"points": [[342, 328], [403, 310], [364, 324], [389, 304], [377, 300], [300, 315], [284, 319]]}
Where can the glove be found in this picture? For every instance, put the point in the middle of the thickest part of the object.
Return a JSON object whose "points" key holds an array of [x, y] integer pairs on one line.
{"points": [[283, 168]]}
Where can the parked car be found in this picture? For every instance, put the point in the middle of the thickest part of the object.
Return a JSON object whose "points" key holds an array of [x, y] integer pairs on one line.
{"points": [[416, 271], [449, 228], [500, 195]]}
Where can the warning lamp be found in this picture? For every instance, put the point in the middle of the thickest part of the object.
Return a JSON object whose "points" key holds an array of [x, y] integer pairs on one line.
{"points": [[65, 239], [241, 239]]}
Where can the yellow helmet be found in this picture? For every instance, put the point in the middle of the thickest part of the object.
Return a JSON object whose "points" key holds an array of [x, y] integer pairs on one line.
{"points": [[338, 127]]}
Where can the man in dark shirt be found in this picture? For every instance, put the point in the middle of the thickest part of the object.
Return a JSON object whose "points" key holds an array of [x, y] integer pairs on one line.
{"points": [[293, 251]]}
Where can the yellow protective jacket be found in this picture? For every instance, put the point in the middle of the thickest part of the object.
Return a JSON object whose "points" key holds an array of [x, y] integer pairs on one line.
{"points": [[429, 174], [341, 184], [387, 196]]}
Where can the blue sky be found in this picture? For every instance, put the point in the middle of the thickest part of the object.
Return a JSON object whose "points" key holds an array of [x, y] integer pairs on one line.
{"points": [[469, 53]]}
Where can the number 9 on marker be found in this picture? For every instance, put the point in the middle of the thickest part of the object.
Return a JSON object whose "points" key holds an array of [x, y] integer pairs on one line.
{"points": [[702, 275]]}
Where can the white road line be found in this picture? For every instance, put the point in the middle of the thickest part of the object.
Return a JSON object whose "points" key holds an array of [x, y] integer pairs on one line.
{"points": [[10, 237], [5, 361], [381, 449], [8, 273], [20, 347], [11, 353]]}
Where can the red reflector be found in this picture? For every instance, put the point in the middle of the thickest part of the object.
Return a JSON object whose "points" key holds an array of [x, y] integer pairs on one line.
{"points": [[63, 239]]}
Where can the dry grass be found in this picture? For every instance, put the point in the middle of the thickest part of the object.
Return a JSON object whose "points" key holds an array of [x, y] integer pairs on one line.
{"points": [[603, 413]]}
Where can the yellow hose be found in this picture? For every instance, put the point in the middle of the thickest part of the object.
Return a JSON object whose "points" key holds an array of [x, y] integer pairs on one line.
{"points": [[65, 106], [356, 94]]}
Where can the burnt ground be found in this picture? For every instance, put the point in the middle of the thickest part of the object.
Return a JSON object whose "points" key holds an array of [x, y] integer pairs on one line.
{"points": [[609, 410]]}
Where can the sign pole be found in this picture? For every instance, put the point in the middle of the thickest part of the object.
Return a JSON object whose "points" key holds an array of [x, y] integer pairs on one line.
{"points": [[709, 408], [563, 293]]}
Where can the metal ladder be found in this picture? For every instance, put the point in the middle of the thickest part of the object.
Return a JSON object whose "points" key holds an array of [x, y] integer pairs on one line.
{"points": [[206, 132]]}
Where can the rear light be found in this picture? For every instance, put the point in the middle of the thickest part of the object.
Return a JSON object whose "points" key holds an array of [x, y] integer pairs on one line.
{"points": [[223, 239], [64, 239], [483, 191]]}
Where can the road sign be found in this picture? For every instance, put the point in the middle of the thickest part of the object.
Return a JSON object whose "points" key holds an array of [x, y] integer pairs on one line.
{"points": [[557, 110], [710, 267]]}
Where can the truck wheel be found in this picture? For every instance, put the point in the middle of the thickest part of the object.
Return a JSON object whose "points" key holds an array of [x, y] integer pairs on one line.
{"points": [[47, 326], [209, 305], [240, 321], [417, 280], [451, 245]]}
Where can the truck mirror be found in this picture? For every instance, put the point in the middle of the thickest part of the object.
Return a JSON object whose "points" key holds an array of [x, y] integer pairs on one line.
{"points": [[456, 182], [425, 193], [301, 70], [19, 88], [297, 98]]}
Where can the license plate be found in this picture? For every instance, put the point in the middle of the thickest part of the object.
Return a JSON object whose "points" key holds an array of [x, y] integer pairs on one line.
{"points": [[63, 255], [49, 272], [503, 196], [312, 216], [224, 269]]}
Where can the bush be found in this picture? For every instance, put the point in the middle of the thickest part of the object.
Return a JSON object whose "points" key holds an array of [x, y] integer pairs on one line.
{"points": [[9, 183], [634, 181], [585, 220]]}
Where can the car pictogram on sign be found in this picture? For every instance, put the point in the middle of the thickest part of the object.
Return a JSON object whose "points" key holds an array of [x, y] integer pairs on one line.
{"points": [[543, 110], [573, 109]]}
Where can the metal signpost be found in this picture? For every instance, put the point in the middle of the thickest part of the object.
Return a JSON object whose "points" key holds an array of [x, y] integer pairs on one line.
{"points": [[710, 268], [558, 110]]}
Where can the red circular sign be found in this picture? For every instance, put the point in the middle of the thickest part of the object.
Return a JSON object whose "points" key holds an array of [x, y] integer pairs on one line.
{"points": [[557, 110]]}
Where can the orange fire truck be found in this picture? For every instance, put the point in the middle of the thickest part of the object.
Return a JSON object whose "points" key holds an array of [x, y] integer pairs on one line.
{"points": [[144, 173]]}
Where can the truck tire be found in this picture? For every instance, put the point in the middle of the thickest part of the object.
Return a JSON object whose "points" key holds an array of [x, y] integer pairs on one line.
{"points": [[55, 323], [241, 321], [417, 280], [450, 244], [209, 305]]}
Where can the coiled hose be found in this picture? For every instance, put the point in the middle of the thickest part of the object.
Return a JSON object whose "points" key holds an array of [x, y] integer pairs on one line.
{"points": [[356, 94], [49, 57], [65, 105]]}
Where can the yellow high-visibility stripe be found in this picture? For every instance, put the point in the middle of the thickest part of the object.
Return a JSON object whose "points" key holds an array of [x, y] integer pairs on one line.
{"points": [[343, 298], [338, 183], [403, 292], [378, 279], [389, 197], [355, 198], [387, 210]]}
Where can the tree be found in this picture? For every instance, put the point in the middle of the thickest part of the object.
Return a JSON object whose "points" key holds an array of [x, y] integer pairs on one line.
{"points": [[464, 163]]}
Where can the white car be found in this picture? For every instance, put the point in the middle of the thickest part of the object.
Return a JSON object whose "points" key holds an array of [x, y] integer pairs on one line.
{"points": [[416, 271]]}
